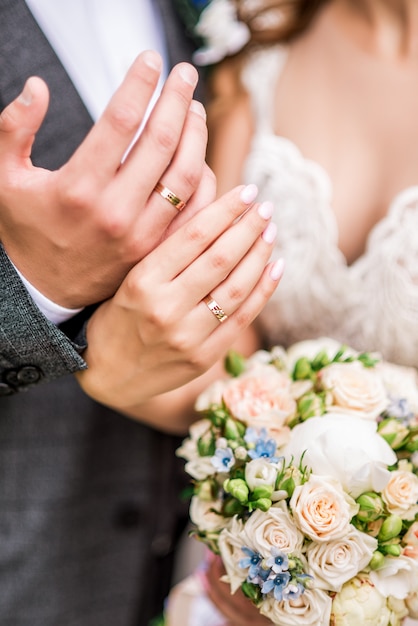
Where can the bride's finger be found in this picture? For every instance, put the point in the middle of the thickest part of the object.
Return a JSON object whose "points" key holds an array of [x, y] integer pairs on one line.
{"points": [[233, 291], [219, 260], [179, 250]]}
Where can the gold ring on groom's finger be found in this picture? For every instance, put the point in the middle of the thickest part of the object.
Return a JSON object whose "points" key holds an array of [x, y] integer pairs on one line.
{"points": [[214, 307], [166, 193]]}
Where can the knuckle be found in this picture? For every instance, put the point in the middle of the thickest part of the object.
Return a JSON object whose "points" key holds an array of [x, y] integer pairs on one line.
{"points": [[123, 118], [243, 318], [220, 260], [165, 137], [196, 232], [235, 293]]}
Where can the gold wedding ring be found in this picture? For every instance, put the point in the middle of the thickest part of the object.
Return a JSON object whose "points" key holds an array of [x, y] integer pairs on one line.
{"points": [[166, 193], [214, 307]]}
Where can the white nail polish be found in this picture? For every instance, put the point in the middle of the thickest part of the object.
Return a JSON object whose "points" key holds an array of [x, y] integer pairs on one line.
{"points": [[265, 210], [277, 270], [249, 194], [269, 234]]}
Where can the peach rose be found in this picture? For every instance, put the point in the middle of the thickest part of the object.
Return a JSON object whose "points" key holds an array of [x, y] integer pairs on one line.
{"points": [[322, 509], [401, 494]]}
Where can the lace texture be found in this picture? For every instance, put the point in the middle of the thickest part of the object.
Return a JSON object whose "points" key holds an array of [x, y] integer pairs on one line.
{"points": [[371, 304]]}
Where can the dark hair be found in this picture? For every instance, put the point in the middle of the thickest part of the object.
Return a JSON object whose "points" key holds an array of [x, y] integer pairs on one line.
{"points": [[271, 21]]}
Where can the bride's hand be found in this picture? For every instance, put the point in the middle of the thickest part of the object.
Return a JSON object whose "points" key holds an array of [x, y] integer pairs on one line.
{"points": [[238, 609], [156, 333]]}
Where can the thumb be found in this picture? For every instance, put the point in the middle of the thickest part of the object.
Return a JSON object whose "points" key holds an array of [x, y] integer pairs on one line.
{"points": [[22, 118]]}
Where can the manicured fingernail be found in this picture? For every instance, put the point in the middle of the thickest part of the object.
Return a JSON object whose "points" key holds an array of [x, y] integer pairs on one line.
{"points": [[277, 270], [152, 59], [26, 96], [197, 107], [188, 74], [265, 210], [249, 194], [269, 234]]}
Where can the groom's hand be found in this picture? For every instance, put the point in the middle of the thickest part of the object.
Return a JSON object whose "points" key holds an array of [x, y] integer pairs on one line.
{"points": [[74, 233]]}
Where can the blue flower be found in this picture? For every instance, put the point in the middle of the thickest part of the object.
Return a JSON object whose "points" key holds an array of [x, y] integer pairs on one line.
{"points": [[260, 446], [252, 560], [399, 408], [223, 459], [276, 583], [293, 591], [278, 562]]}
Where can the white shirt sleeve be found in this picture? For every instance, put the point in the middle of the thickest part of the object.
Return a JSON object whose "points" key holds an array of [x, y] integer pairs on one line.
{"points": [[54, 312]]}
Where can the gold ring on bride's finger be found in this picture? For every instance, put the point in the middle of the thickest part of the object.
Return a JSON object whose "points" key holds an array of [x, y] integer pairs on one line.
{"points": [[214, 307], [166, 193]]}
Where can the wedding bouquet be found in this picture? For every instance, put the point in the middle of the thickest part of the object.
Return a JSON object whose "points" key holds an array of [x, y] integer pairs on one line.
{"points": [[305, 482]]}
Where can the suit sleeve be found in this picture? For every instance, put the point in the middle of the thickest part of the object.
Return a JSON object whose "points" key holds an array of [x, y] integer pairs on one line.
{"points": [[32, 349]]}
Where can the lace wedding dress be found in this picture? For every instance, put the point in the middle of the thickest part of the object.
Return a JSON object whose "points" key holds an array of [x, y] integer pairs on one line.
{"points": [[371, 304]]}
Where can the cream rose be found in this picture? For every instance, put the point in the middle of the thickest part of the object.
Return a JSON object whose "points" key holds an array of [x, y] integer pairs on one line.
{"points": [[260, 472], [312, 608], [322, 509], [230, 543], [411, 537], [202, 513], [401, 494], [188, 449], [354, 389], [333, 563], [274, 528], [345, 447]]}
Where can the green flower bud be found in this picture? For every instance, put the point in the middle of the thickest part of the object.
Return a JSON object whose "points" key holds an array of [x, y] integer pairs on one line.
{"points": [[391, 549], [231, 507], [206, 444], [320, 360], [238, 488], [262, 503], [371, 506], [233, 429], [287, 485], [302, 369], [262, 491], [234, 363], [377, 560], [393, 431], [390, 529], [310, 405]]}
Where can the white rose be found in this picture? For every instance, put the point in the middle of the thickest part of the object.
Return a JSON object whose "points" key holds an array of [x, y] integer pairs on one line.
{"points": [[202, 514], [400, 382], [354, 389], [274, 528], [333, 563], [398, 577], [230, 545], [312, 608], [345, 447], [260, 472], [311, 347], [211, 395], [188, 449], [200, 468], [359, 603], [322, 509], [401, 494]]}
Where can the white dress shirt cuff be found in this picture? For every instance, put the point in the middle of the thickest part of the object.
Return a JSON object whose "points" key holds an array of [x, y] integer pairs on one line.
{"points": [[54, 312]]}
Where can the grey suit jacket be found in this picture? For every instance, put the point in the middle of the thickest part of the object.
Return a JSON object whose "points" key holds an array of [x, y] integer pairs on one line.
{"points": [[89, 500]]}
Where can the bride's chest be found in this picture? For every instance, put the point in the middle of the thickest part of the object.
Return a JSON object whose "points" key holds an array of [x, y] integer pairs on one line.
{"points": [[362, 130]]}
